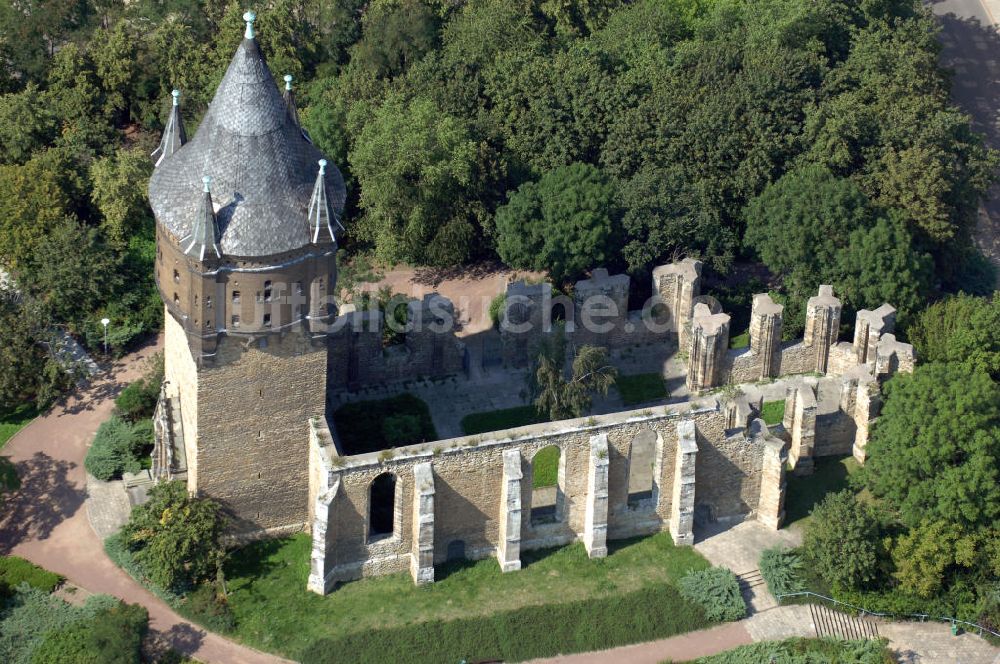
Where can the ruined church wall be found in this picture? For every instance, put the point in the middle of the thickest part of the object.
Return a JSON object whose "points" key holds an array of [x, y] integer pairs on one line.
{"points": [[181, 374], [468, 475]]}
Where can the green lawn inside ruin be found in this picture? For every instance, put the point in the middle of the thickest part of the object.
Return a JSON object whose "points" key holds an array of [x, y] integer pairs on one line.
{"points": [[498, 420], [365, 426], [560, 601], [641, 388], [773, 412], [830, 474]]}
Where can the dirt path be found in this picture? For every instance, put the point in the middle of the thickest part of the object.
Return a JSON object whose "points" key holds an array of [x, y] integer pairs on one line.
{"points": [[681, 648], [46, 521]]}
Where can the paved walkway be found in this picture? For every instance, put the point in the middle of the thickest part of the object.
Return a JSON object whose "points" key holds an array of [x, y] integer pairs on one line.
{"points": [[45, 520]]}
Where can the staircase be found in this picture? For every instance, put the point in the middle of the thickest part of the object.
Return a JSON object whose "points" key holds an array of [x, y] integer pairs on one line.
{"points": [[754, 591], [830, 623]]}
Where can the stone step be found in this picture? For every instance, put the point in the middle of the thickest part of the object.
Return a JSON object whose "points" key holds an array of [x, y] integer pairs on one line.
{"points": [[830, 623]]}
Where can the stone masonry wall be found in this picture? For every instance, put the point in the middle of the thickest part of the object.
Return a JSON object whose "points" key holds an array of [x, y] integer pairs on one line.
{"points": [[181, 375], [468, 476]]}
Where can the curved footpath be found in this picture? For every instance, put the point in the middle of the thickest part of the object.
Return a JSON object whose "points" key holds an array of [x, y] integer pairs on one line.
{"points": [[46, 520]]}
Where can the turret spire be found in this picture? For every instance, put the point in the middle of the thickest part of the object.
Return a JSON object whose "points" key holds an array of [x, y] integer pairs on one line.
{"points": [[289, 98], [204, 237], [173, 134], [321, 217], [249, 17]]}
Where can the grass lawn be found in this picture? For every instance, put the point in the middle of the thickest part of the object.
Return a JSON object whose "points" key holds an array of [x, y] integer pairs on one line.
{"points": [[804, 493], [641, 388], [545, 468], [12, 421], [497, 420], [773, 412], [472, 610], [362, 425], [740, 340]]}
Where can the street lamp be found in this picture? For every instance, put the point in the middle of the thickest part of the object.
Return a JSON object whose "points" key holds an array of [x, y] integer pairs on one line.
{"points": [[104, 322]]}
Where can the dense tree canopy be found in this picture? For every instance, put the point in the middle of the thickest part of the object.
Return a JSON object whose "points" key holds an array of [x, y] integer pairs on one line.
{"points": [[935, 448]]}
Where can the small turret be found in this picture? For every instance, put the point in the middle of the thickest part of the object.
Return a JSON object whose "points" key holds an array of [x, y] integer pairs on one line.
{"points": [[321, 218], [204, 237], [173, 135], [289, 96]]}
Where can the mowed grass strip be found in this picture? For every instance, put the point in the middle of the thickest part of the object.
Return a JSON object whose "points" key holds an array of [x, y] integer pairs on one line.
{"points": [[773, 412], [830, 474], [12, 421], [641, 388], [498, 420], [273, 611]]}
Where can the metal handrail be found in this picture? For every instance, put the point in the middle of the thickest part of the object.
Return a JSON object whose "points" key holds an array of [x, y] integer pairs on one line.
{"points": [[864, 612]]}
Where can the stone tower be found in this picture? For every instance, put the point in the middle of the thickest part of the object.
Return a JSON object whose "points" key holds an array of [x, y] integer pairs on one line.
{"points": [[246, 212]]}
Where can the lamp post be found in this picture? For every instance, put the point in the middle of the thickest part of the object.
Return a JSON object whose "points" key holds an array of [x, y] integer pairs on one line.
{"points": [[104, 322]]}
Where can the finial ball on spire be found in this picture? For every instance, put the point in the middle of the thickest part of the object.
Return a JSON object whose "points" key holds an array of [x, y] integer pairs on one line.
{"points": [[207, 181], [249, 17], [176, 94], [322, 166], [288, 81]]}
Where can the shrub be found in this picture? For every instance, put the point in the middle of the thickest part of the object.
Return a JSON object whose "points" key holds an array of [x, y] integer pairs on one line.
{"points": [[401, 429], [842, 541], [717, 591], [14, 571], [175, 539], [497, 305], [138, 400], [782, 568], [211, 608], [117, 448], [805, 651], [32, 614], [112, 636]]}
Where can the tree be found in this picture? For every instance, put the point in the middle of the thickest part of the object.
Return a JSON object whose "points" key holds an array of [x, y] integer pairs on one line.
{"points": [[564, 223], [28, 371], [561, 398], [421, 175], [112, 636], [70, 273], [395, 35], [119, 192], [960, 329], [841, 541], [32, 200], [924, 555], [934, 452], [176, 538], [26, 124], [115, 56]]}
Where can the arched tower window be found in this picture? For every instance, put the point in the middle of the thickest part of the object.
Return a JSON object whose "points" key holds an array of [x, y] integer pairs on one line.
{"points": [[382, 507]]}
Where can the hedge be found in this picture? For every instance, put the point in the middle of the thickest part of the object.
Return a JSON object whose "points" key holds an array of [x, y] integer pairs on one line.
{"points": [[717, 591], [118, 447], [14, 571], [805, 651], [654, 612]]}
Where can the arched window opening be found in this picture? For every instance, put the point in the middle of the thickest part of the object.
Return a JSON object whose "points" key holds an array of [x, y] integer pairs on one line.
{"points": [[545, 489], [382, 507], [641, 458]]}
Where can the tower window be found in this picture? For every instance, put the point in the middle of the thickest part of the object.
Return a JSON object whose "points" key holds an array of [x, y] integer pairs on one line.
{"points": [[196, 300], [177, 300], [236, 297], [177, 277], [208, 324], [267, 291], [208, 301], [267, 320], [298, 288], [236, 321]]}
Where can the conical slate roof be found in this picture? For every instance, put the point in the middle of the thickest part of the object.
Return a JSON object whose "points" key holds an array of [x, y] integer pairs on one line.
{"points": [[262, 167]]}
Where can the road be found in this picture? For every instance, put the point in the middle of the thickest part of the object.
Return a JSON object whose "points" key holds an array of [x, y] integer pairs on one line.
{"points": [[972, 52]]}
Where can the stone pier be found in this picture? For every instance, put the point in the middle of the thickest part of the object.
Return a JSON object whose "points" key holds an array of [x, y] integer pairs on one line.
{"points": [[595, 528], [771, 508], [320, 562], [509, 545], [765, 334], [422, 554], [822, 326], [869, 328], [800, 416], [709, 344], [682, 504], [678, 284]]}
